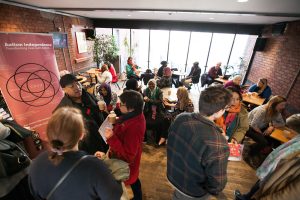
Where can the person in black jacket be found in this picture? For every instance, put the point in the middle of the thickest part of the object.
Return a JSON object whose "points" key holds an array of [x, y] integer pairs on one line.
{"points": [[161, 69], [193, 76], [77, 97]]}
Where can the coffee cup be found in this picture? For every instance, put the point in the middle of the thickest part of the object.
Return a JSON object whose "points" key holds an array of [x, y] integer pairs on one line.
{"points": [[112, 117], [101, 105]]}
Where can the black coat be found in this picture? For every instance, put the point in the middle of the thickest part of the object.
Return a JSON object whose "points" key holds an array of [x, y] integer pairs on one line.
{"points": [[92, 141]]}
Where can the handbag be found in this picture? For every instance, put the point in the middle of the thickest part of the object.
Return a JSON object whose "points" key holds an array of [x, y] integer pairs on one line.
{"points": [[13, 159], [17, 132]]}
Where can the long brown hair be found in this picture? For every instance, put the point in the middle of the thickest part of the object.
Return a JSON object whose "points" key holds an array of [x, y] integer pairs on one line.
{"points": [[183, 97], [64, 130], [271, 106]]}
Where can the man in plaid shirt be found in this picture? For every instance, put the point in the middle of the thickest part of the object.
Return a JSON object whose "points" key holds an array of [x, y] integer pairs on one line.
{"points": [[197, 152]]}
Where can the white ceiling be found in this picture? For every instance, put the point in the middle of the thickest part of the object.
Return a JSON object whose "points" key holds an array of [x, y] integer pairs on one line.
{"points": [[215, 11]]}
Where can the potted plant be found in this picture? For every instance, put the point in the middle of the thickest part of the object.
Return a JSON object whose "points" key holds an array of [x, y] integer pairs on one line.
{"points": [[105, 49]]}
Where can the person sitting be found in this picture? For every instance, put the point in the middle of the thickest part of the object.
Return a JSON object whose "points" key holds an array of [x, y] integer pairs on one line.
{"points": [[147, 76], [293, 122], [262, 89], [132, 84], [105, 76], [166, 79], [263, 119], [214, 72], [90, 179], [235, 82], [132, 69], [279, 174], [193, 76], [126, 137], [161, 69], [235, 121], [153, 109], [184, 104], [76, 97], [112, 70], [105, 94]]}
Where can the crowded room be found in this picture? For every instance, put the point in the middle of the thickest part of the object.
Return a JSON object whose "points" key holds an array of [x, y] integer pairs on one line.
{"points": [[150, 100]]}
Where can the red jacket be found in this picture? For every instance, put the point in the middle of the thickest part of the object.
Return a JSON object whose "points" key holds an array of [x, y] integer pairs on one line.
{"points": [[126, 143], [113, 74]]}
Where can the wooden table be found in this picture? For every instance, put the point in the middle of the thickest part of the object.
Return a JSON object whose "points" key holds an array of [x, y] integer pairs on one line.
{"points": [[82, 79], [283, 134], [221, 80], [93, 71], [253, 99]]}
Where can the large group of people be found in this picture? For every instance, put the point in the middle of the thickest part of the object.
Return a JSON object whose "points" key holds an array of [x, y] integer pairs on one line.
{"points": [[197, 141]]}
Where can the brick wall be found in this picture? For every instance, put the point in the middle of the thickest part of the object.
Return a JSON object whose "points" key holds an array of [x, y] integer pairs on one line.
{"points": [[18, 19], [280, 63]]}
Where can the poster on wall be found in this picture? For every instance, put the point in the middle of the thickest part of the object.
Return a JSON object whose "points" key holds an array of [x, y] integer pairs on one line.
{"points": [[81, 42], [29, 78]]}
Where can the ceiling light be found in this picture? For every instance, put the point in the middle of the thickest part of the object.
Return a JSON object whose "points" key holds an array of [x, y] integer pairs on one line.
{"points": [[129, 15], [242, 1], [211, 18]]}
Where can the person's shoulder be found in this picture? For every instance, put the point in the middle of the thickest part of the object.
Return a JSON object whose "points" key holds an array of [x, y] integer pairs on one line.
{"points": [[243, 111]]}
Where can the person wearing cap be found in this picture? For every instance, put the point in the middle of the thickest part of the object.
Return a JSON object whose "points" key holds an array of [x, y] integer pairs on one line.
{"points": [[193, 76], [160, 71], [78, 98]]}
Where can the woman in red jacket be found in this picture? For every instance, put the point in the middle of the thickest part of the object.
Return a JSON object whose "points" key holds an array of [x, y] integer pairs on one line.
{"points": [[125, 139]]}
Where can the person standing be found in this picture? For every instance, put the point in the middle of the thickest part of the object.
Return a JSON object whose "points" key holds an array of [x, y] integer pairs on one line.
{"points": [[125, 139], [90, 179], [197, 152], [77, 97]]}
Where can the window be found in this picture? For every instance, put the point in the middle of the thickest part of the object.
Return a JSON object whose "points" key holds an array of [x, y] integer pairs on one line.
{"points": [[179, 41], [238, 53], [105, 31], [198, 50], [140, 46], [158, 47], [122, 37], [220, 49]]}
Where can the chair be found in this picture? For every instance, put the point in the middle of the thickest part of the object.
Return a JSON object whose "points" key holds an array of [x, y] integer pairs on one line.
{"points": [[204, 79], [116, 84], [123, 77], [196, 82]]}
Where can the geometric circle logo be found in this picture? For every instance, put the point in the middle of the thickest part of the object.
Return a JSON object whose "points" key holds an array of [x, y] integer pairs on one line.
{"points": [[33, 84]]}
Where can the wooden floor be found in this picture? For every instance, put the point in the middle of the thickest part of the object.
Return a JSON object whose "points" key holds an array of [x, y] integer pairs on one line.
{"points": [[156, 187], [153, 169]]}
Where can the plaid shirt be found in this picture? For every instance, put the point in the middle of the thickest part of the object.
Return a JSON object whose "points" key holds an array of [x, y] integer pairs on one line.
{"points": [[197, 156]]}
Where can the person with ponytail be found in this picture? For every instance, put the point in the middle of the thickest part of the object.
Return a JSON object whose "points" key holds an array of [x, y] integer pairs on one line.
{"points": [[90, 179]]}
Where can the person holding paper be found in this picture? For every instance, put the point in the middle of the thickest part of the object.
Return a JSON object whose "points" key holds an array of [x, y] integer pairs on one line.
{"points": [[126, 137], [77, 97]]}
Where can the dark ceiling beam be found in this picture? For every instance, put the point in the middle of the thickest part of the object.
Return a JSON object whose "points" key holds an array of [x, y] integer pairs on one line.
{"points": [[176, 10], [180, 25]]}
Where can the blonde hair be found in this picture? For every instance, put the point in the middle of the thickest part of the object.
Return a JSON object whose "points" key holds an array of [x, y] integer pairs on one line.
{"points": [[271, 106], [64, 130], [183, 97]]}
